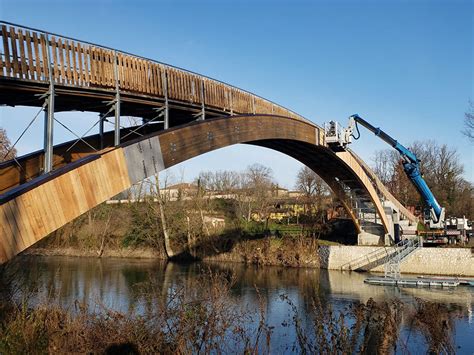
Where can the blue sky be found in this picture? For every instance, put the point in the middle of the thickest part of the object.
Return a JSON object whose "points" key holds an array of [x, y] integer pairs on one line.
{"points": [[406, 66]]}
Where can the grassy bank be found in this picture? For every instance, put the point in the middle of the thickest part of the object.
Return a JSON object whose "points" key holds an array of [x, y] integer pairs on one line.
{"points": [[135, 230]]}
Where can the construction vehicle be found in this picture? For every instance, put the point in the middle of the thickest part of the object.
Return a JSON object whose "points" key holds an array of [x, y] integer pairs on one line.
{"points": [[439, 230]]}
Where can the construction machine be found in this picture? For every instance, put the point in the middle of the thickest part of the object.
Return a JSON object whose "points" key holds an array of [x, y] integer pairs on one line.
{"points": [[439, 230]]}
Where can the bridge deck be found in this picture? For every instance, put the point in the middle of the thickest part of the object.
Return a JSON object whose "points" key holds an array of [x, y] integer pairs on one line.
{"points": [[85, 75]]}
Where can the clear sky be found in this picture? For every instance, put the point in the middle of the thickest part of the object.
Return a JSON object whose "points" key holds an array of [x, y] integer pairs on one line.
{"points": [[406, 66]]}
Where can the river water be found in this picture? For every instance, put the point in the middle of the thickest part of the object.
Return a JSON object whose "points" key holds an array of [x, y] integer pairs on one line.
{"points": [[111, 283]]}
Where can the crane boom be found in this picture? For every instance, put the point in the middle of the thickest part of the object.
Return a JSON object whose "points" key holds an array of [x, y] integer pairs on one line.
{"points": [[411, 164]]}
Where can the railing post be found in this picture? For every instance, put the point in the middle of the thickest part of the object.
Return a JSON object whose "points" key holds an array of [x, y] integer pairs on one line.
{"points": [[117, 103], [231, 103], [49, 115], [164, 81]]}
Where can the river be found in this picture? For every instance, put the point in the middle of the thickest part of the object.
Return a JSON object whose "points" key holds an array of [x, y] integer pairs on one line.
{"points": [[111, 284]]}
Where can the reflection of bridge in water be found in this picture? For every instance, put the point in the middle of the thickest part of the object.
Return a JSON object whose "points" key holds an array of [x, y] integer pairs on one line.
{"points": [[183, 115]]}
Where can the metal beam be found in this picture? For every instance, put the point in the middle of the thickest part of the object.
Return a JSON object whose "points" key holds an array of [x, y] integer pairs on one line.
{"points": [[49, 117], [117, 103], [101, 132]]}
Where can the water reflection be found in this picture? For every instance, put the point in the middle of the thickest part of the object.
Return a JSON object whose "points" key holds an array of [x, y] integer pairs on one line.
{"points": [[119, 284]]}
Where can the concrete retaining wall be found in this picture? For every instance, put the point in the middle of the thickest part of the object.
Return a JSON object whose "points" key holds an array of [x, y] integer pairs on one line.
{"points": [[434, 261]]}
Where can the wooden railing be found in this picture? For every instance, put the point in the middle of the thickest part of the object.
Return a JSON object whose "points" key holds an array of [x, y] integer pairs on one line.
{"points": [[30, 55]]}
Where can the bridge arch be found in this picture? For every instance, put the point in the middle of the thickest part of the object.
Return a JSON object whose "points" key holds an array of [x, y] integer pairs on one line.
{"points": [[32, 210]]}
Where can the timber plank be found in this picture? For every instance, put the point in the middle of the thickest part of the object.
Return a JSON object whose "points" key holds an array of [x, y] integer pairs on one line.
{"points": [[126, 73], [110, 68], [74, 63], [64, 198], [97, 190], [92, 63], [35, 68], [54, 205], [125, 77], [37, 219], [80, 65], [46, 63], [21, 45], [6, 50], [136, 71], [61, 61], [25, 218], [12, 213], [16, 67], [132, 71], [67, 54], [87, 186], [55, 66], [78, 191], [142, 76], [7, 234], [108, 75], [31, 64], [41, 212], [149, 77], [123, 72]]}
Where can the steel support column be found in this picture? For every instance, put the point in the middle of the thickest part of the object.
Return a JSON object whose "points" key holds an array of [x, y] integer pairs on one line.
{"points": [[49, 116], [117, 103], [101, 132]]}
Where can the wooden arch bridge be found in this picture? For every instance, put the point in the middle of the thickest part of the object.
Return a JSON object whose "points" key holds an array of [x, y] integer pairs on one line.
{"points": [[183, 115]]}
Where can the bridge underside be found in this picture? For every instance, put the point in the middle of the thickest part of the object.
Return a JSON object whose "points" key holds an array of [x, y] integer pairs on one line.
{"points": [[32, 210], [14, 92]]}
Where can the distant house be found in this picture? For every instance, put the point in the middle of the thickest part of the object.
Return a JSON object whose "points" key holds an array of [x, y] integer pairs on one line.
{"points": [[179, 191], [278, 191]]}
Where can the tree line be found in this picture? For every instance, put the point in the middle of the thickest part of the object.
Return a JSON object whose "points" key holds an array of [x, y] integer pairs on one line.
{"points": [[442, 170]]}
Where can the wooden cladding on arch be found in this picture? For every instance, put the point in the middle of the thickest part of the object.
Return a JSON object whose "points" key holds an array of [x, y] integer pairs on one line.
{"points": [[24, 56]]}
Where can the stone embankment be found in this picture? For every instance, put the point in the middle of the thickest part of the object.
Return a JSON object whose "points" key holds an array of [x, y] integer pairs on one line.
{"points": [[433, 261]]}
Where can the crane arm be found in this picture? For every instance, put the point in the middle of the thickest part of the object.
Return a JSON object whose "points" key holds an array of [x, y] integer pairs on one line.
{"points": [[411, 165]]}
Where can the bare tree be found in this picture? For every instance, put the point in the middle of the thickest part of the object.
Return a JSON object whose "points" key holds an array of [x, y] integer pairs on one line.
{"points": [[469, 122], [385, 163], [162, 199], [221, 181], [259, 181], [313, 187], [6, 150]]}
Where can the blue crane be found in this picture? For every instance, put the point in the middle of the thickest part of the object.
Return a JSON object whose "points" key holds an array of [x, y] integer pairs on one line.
{"points": [[411, 164]]}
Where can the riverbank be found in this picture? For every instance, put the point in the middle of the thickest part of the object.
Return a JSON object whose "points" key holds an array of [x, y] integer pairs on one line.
{"points": [[134, 231], [299, 252]]}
